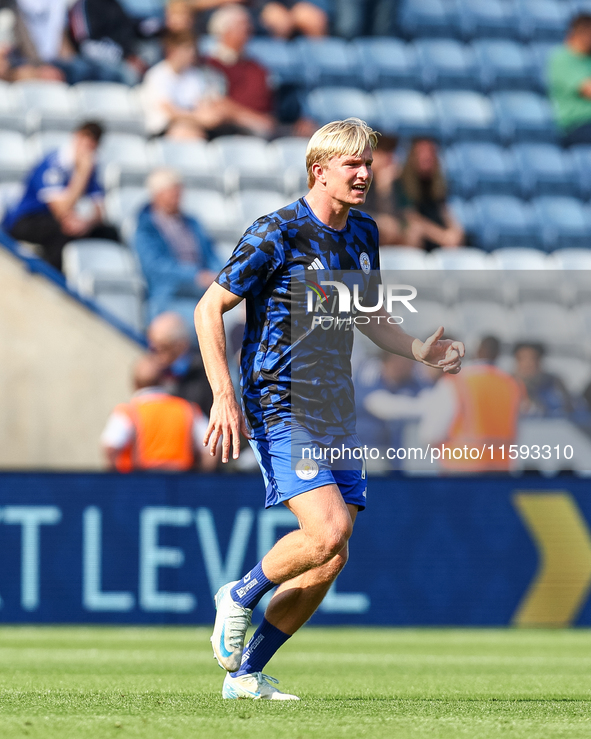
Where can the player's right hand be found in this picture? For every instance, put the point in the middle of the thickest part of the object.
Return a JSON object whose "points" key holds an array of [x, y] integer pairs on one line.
{"points": [[226, 422]]}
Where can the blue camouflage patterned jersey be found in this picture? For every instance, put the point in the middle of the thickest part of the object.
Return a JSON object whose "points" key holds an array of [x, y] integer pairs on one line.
{"points": [[278, 252]]}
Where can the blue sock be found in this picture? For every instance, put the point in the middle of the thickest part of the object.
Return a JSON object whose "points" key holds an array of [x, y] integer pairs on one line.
{"points": [[248, 591], [265, 641]]}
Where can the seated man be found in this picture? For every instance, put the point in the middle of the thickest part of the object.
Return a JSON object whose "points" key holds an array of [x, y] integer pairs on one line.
{"points": [[248, 85], [376, 384], [155, 431], [184, 373], [175, 252], [570, 82], [55, 208], [547, 396], [248, 82], [184, 101]]}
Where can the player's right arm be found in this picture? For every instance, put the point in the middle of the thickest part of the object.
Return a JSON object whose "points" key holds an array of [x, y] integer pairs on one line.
{"points": [[226, 421]]}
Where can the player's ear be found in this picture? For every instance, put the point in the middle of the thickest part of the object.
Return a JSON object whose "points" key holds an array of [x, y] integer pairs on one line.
{"points": [[318, 172]]}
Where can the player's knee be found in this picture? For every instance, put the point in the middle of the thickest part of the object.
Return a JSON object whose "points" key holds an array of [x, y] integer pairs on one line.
{"points": [[333, 541]]}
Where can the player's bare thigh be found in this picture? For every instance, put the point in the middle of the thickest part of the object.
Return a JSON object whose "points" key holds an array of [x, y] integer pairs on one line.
{"points": [[323, 512]]}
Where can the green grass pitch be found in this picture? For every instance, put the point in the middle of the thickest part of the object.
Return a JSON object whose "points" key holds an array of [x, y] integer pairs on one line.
{"points": [[162, 683]]}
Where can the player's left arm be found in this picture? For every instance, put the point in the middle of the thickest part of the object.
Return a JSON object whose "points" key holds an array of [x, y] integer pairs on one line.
{"points": [[444, 354]]}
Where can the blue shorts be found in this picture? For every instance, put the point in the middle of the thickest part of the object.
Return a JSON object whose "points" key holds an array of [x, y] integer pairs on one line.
{"points": [[289, 469]]}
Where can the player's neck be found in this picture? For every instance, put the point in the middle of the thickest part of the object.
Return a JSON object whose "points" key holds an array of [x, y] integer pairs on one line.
{"points": [[331, 212]]}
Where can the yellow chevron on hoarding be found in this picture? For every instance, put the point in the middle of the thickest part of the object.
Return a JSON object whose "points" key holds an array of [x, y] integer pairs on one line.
{"points": [[563, 580]]}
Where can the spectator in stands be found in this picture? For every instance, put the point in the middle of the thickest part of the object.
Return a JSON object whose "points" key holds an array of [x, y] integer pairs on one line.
{"points": [[422, 196], [187, 102], [19, 57], [63, 199], [102, 40], [378, 383], [355, 18], [479, 408], [287, 18], [381, 201], [248, 86], [569, 76], [176, 254], [155, 430], [184, 373], [247, 80], [179, 17], [547, 397]]}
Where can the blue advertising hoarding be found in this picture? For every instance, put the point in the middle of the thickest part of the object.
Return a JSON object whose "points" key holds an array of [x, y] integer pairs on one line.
{"points": [[106, 548]]}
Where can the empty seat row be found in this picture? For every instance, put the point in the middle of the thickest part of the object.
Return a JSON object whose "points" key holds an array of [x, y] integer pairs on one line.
{"points": [[470, 259], [525, 170], [33, 105], [449, 115], [226, 164], [521, 19], [427, 63], [546, 222], [507, 276], [560, 329], [109, 274]]}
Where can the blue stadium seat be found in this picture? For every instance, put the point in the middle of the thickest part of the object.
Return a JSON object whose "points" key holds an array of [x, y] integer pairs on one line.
{"points": [[48, 105], [573, 260], [523, 116], [117, 106], [464, 212], [387, 62], [504, 65], [540, 55], [545, 169], [325, 104], [481, 169], [429, 18], [521, 259], [487, 18], [290, 154], [564, 222], [247, 162], [503, 220], [12, 110], [581, 158], [14, 156], [196, 160], [405, 113], [281, 58], [446, 64], [464, 115], [328, 61], [543, 20]]}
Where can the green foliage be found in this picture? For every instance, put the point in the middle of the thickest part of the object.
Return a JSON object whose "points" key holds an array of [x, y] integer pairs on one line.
{"points": [[162, 683]]}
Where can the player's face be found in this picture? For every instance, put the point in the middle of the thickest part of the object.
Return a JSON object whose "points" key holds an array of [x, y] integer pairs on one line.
{"points": [[348, 177]]}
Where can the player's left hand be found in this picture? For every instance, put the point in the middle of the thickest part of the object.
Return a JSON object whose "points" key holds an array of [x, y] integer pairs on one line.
{"points": [[443, 354]]}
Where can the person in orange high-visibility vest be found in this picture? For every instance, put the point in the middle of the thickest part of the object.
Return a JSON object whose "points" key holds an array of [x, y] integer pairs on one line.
{"points": [[155, 430], [474, 411]]}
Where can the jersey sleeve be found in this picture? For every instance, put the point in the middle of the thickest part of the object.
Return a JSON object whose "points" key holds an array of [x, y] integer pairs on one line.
{"points": [[258, 255]]}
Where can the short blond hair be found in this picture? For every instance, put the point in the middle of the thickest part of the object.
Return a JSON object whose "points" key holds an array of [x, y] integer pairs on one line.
{"points": [[340, 138]]}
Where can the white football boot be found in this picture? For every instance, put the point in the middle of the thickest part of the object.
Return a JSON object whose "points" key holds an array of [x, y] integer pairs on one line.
{"points": [[255, 686], [229, 631]]}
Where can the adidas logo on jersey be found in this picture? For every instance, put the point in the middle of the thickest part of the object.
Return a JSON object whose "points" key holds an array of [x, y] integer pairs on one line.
{"points": [[316, 264]]}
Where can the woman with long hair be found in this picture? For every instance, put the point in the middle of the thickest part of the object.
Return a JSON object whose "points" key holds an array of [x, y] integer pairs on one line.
{"points": [[422, 197]]}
